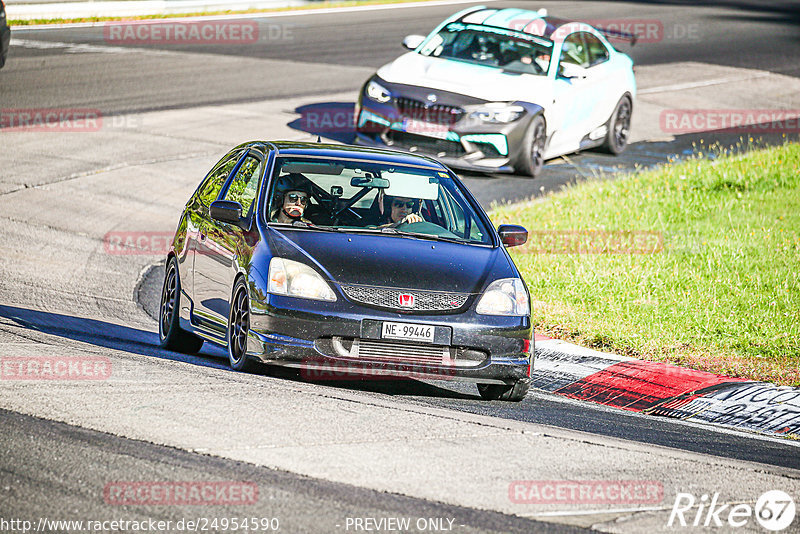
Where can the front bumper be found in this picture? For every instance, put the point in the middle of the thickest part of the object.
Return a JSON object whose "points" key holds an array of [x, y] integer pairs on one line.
{"points": [[442, 130], [340, 340]]}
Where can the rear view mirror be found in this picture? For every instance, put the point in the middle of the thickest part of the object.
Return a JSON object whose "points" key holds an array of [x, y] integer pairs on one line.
{"points": [[227, 211], [368, 181], [413, 41], [512, 235]]}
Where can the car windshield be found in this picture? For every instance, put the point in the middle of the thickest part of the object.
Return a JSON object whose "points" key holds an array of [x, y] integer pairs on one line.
{"points": [[491, 47], [366, 196]]}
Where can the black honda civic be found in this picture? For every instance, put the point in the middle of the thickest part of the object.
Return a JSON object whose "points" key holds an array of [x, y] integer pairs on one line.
{"points": [[348, 262]]}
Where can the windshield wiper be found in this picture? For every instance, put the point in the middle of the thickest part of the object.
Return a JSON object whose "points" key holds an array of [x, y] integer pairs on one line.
{"points": [[390, 230]]}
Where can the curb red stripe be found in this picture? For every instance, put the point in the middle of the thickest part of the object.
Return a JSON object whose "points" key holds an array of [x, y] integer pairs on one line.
{"points": [[640, 385]]}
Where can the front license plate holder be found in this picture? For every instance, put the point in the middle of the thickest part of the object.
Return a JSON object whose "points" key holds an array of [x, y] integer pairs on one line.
{"points": [[371, 329]]}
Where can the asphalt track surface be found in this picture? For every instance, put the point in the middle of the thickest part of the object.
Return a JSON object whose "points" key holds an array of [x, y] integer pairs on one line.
{"points": [[740, 34], [54, 489]]}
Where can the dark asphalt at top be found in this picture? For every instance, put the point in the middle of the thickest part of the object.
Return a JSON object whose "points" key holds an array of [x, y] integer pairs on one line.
{"points": [[750, 34]]}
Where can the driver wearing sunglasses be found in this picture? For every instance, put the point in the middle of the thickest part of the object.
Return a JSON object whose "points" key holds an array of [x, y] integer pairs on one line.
{"points": [[292, 196], [402, 211]]}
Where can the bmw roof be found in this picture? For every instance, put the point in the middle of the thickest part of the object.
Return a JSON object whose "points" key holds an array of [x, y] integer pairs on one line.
{"points": [[536, 23], [521, 20]]}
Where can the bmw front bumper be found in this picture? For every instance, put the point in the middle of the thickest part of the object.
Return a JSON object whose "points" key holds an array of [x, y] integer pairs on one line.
{"points": [[435, 123]]}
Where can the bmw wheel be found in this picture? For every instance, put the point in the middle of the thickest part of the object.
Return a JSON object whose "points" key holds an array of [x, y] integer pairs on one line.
{"points": [[619, 126], [170, 334], [532, 159], [239, 327], [506, 392]]}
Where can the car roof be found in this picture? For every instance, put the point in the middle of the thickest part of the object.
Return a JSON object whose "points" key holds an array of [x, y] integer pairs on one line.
{"points": [[536, 23], [378, 155]]}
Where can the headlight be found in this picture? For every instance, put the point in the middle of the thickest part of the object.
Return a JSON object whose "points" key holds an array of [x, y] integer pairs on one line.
{"points": [[295, 279], [496, 112], [377, 92], [504, 297]]}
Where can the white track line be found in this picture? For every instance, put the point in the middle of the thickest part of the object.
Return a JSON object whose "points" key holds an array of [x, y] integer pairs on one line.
{"points": [[268, 15]]}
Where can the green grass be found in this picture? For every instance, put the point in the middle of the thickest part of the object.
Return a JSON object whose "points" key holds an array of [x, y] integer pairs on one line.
{"points": [[721, 294], [324, 4]]}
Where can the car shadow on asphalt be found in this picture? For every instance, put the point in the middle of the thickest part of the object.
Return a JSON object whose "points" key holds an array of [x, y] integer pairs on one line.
{"points": [[329, 120], [133, 340]]}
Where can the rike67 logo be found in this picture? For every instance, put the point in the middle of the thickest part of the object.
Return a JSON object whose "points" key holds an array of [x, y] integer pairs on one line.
{"points": [[774, 511]]}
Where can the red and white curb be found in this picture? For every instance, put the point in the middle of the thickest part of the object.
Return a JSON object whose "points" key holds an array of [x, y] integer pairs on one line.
{"points": [[666, 390]]}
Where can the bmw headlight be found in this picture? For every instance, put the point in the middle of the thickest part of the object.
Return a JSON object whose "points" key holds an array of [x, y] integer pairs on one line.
{"points": [[295, 279], [377, 92], [496, 112], [504, 297]]}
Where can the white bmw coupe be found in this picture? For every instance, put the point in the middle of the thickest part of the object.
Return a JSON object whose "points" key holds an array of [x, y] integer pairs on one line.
{"points": [[501, 90]]}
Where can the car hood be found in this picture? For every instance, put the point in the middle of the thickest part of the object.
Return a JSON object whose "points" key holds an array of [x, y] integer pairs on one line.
{"points": [[486, 83], [393, 261]]}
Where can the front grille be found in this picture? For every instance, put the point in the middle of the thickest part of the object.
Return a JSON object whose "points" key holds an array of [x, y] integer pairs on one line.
{"points": [[391, 352], [386, 297], [433, 113], [401, 352], [427, 145]]}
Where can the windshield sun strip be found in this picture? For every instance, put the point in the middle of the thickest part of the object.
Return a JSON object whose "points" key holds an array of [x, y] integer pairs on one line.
{"points": [[460, 26]]}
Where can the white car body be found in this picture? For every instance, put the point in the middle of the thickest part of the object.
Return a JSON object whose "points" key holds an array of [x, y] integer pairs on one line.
{"points": [[577, 102]]}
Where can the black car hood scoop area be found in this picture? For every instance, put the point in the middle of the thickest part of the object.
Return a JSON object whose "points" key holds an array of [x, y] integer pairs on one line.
{"points": [[393, 261]]}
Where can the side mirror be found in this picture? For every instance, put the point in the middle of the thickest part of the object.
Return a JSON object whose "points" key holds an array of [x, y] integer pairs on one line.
{"points": [[227, 211], [512, 235], [571, 71], [413, 41]]}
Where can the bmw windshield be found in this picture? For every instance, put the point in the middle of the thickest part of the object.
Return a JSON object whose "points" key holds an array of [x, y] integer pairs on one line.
{"points": [[490, 47], [366, 196]]}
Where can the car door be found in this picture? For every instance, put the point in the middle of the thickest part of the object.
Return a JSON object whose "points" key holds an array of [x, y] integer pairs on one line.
{"points": [[216, 261], [199, 223], [573, 97], [600, 75]]}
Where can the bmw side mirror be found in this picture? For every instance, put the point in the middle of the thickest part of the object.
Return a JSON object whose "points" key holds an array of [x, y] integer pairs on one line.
{"points": [[512, 235], [227, 211], [413, 41], [571, 71]]}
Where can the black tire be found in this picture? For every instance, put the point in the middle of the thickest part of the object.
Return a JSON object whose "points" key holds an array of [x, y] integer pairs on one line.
{"points": [[619, 127], [238, 328], [514, 392], [170, 334], [532, 159]]}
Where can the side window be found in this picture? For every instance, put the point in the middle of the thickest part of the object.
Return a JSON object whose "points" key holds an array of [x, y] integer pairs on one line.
{"points": [[598, 53], [574, 51], [210, 190], [244, 185]]}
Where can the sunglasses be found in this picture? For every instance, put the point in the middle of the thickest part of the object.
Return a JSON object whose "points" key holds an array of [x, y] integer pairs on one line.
{"points": [[399, 204], [294, 197]]}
